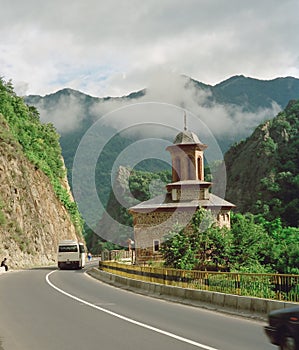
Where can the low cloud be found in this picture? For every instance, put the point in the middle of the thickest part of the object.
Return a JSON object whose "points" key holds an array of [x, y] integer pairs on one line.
{"points": [[66, 114], [167, 97], [160, 112]]}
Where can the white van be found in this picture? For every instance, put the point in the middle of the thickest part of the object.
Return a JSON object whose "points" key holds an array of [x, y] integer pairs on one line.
{"points": [[71, 254]]}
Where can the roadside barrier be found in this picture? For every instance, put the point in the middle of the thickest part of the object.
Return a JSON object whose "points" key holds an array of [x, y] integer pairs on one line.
{"points": [[269, 286]]}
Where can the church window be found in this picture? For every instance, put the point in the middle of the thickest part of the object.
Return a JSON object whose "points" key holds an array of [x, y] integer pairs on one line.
{"points": [[156, 245]]}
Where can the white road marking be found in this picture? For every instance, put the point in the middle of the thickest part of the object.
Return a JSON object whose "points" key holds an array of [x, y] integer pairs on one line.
{"points": [[140, 324]]}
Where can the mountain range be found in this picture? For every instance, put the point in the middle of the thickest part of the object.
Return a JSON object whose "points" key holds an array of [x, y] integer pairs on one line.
{"points": [[229, 112], [231, 109]]}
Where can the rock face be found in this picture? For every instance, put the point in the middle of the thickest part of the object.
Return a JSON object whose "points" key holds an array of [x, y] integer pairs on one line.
{"points": [[262, 171], [32, 219]]}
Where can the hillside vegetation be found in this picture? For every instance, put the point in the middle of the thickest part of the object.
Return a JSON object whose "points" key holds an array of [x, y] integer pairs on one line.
{"points": [[40, 144], [263, 170], [36, 207]]}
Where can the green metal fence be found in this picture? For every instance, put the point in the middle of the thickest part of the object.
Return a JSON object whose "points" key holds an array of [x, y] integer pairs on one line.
{"points": [[270, 286]]}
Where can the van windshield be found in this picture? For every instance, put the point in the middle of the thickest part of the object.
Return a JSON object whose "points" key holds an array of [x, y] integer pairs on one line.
{"points": [[68, 248]]}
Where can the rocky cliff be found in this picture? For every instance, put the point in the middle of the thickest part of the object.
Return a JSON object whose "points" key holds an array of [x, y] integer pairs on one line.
{"points": [[263, 170], [32, 219]]}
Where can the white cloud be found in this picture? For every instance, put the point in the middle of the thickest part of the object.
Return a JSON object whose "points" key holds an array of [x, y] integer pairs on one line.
{"points": [[66, 114], [168, 94], [92, 45]]}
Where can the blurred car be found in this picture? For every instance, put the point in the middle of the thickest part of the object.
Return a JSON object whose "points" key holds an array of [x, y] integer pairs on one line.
{"points": [[283, 328]]}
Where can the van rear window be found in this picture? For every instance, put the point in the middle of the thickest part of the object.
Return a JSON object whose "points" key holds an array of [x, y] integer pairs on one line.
{"points": [[67, 248]]}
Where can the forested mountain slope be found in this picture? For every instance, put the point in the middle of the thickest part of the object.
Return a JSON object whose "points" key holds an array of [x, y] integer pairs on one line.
{"points": [[263, 170]]}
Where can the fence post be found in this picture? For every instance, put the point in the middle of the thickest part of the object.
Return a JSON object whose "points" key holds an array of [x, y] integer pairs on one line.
{"points": [[206, 280], [238, 284]]}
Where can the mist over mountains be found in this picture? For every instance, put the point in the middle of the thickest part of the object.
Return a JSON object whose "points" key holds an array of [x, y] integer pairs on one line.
{"points": [[220, 115], [230, 109]]}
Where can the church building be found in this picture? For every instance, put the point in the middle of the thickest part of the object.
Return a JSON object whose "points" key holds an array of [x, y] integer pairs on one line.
{"points": [[188, 191]]}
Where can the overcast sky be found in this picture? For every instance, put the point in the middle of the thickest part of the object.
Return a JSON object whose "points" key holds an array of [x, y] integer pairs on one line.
{"points": [[111, 48]]}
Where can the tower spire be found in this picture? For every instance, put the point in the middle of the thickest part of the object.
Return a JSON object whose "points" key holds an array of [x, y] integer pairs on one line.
{"points": [[185, 121]]}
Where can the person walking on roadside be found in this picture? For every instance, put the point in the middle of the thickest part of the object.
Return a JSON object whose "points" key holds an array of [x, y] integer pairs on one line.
{"points": [[3, 264]]}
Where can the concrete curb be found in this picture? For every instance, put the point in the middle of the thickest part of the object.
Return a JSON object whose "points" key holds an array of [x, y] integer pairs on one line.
{"points": [[249, 307]]}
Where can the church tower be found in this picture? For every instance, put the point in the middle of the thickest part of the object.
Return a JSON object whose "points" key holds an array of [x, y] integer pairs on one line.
{"points": [[187, 193], [187, 157], [187, 154]]}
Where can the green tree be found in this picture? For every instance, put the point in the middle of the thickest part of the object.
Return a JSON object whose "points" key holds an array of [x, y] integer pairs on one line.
{"points": [[198, 245], [282, 246], [179, 249], [248, 244]]}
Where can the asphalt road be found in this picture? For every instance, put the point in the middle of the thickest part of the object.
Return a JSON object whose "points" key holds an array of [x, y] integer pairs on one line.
{"points": [[48, 309]]}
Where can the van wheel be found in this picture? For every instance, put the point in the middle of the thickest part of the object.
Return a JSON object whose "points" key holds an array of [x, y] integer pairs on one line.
{"points": [[287, 342]]}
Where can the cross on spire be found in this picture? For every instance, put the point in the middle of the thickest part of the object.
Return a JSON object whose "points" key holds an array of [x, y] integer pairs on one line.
{"points": [[185, 121]]}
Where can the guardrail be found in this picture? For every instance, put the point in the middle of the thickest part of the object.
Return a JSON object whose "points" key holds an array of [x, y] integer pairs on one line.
{"points": [[269, 286], [116, 255]]}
